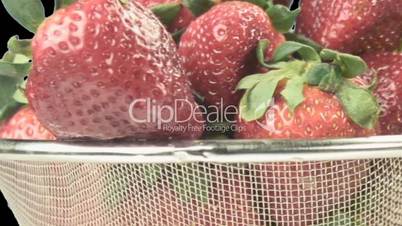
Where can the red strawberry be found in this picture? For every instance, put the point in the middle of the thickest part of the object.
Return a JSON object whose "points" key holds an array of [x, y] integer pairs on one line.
{"points": [[353, 26], [182, 20], [303, 193], [24, 126], [102, 67], [307, 100], [388, 69], [319, 116], [218, 48]]}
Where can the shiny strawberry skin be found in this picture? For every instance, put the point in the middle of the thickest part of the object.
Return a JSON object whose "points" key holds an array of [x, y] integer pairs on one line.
{"points": [[24, 125], [218, 48], [92, 59], [319, 116], [388, 68], [183, 19], [354, 26]]}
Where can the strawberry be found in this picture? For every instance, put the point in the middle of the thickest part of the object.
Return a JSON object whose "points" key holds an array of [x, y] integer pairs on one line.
{"points": [[226, 198], [218, 47], [354, 26], [304, 194], [128, 70], [387, 68], [307, 99], [321, 115], [183, 18], [24, 125]]}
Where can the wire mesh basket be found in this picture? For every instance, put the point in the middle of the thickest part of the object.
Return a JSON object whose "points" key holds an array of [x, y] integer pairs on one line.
{"points": [[205, 183]]}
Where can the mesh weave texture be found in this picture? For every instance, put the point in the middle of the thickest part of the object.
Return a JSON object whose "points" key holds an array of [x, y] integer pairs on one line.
{"points": [[353, 192]]}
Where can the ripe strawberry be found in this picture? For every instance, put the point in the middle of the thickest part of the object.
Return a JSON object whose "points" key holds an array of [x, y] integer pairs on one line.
{"points": [[218, 48], [319, 116], [307, 99], [24, 126], [354, 26], [102, 67], [182, 20], [303, 193], [387, 68]]}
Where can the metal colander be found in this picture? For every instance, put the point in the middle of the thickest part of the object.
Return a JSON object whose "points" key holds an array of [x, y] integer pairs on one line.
{"points": [[205, 183]]}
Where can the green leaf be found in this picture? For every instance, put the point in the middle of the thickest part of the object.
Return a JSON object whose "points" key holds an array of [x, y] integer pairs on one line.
{"points": [[341, 219], [249, 82], [8, 106], [260, 88], [359, 104], [255, 102], [9, 109], [261, 48], [8, 57], [58, 4], [20, 46], [11, 65], [332, 81], [152, 173], [261, 3], [293, 92], [177, 35], [167, 12], [282, 17], [192, 184], [198, 97], [19, 95], [400, 46], [198, 7], [304, 40], [315, 73], [288, 48], [11, 57], [351, 65], [28, 13], [15, 70]]}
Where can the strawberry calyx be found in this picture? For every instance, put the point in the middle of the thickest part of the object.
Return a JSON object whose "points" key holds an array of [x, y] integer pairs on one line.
{"points": [[16, 63], [282, 17], [167, 12], [14, 67], [299, 65], [400, 47], [198, 7], [58, 4], [28, 13], [291, 36]]}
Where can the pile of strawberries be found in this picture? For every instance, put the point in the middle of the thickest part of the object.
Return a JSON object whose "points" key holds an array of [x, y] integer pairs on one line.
{"points": [[328, 69], [90, 60]]}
